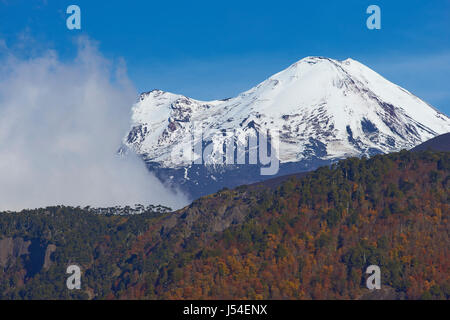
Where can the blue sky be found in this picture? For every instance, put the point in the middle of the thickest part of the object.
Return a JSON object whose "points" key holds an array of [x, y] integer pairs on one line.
{"points": [[216, 49]]}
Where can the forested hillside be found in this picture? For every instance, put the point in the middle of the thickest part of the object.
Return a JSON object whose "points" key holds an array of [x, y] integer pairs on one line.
{"points": [[310, 237]]}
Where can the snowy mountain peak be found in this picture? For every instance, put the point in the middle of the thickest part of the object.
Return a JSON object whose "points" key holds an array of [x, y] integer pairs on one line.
{"points": [[323, 109]]}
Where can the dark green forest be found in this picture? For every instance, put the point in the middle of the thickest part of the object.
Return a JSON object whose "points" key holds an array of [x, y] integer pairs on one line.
{"points": [[306, 238]]}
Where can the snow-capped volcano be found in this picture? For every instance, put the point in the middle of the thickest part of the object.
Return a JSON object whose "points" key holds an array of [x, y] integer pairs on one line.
{"points": [[324, 109]]}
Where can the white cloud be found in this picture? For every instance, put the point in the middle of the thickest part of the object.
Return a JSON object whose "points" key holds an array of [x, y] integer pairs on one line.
{"points": [[61, 124]]}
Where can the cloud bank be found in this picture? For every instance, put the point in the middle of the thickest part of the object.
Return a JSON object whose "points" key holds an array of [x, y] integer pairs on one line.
{"points": [[61, 124]]}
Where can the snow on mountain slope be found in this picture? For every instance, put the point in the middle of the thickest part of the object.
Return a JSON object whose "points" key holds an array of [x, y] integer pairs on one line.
{"points": [[323, 108]]}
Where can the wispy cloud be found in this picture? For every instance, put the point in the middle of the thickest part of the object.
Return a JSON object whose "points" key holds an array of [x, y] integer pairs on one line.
{"points": [[61, 124]]}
